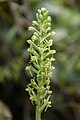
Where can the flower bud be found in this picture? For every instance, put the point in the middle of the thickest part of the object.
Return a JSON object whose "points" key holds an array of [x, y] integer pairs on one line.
{"points": [[48, 24], [48, 19], [27, 68], [31, 28], [48, 29], [53, 33], [53, 51], [53, 67], [43, 9], [28, 49], [34, 38], [39, 11], [29, 41], [40, 17], [35, 23], [45, 14], [33, 58], [52, 59], [49, 92], [36, 34], [50, 42]]}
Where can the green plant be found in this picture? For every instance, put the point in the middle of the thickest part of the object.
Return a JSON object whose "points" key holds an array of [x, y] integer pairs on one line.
{"points": [[41, 62]]}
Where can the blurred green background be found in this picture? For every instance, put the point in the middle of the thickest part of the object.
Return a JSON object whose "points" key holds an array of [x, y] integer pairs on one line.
{"points": [[15, 18]]}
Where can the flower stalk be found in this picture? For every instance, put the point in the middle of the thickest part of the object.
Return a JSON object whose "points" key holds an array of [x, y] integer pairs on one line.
{"points": [[41, 62]]}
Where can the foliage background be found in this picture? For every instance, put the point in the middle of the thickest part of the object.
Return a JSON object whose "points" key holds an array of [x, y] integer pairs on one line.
{"points": [[15, 17]]}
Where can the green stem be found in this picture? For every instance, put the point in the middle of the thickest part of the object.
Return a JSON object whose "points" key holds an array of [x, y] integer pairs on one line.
{"points": [[38, 113]]}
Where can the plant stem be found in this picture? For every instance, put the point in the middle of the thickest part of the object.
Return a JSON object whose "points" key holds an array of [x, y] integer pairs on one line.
{"points": [[38, 113]]}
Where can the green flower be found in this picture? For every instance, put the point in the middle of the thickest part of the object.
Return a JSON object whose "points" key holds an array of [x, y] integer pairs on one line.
{"points": [[41, 60]]}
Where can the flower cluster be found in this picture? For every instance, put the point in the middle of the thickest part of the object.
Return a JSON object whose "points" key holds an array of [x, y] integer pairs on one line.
{"points": [[41, 60]]}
